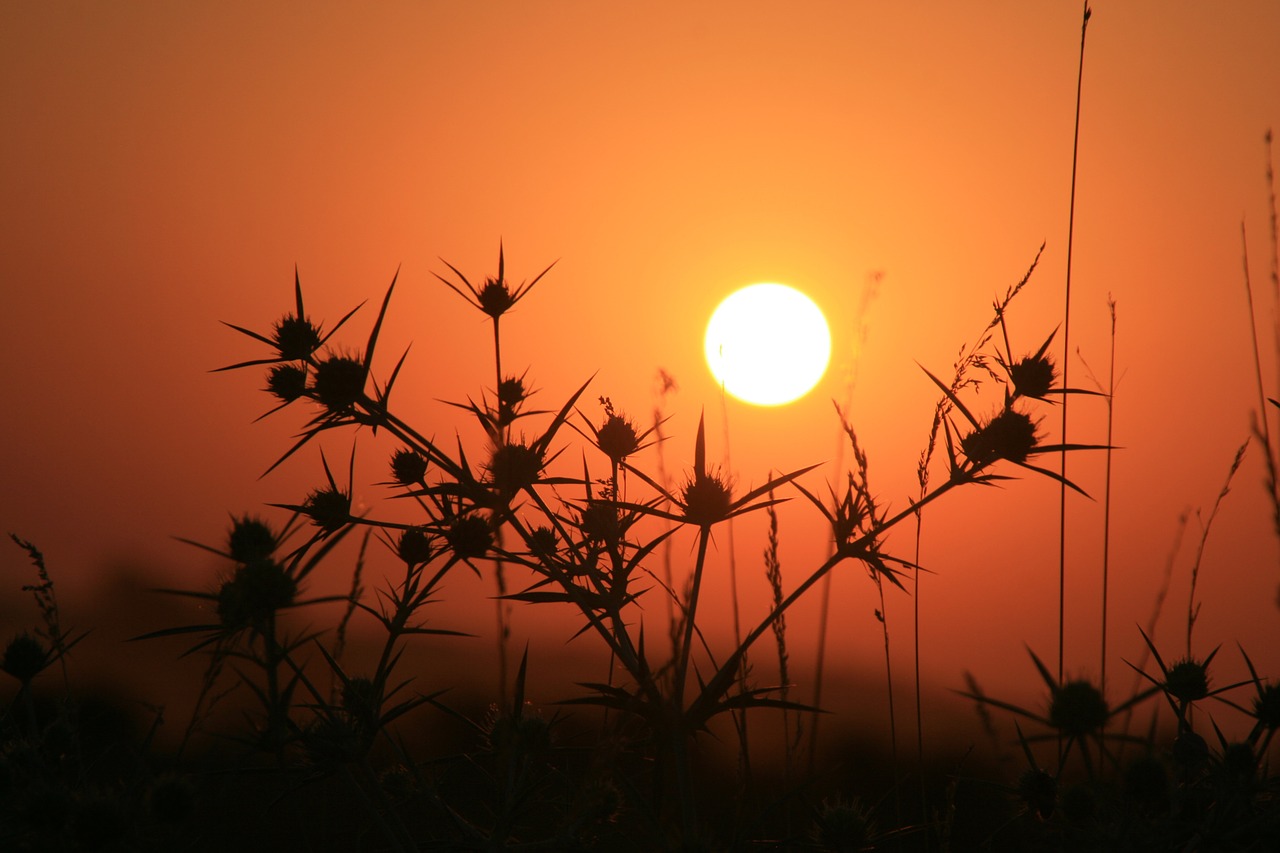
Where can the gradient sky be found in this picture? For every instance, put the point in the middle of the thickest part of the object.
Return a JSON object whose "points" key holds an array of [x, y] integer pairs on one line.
{"points": [[164, 166]]}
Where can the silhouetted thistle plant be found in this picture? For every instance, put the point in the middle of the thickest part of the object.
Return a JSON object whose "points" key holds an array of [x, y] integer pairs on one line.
{"points": [[586, 542]]}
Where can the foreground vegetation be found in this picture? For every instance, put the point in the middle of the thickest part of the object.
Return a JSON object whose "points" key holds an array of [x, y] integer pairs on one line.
{"points": [[327, 759]]}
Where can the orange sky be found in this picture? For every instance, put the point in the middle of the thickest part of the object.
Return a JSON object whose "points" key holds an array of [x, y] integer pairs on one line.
{"points": [[164, 166]]}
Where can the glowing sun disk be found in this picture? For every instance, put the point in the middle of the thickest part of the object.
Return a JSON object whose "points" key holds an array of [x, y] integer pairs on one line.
{"points": [[767, 344]]}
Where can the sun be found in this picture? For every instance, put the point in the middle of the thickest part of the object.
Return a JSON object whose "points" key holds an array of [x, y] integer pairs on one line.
{"points": [[767, 344]]}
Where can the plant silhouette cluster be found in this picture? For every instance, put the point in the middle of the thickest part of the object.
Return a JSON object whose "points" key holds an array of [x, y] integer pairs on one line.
{"points": [[582, 532]]}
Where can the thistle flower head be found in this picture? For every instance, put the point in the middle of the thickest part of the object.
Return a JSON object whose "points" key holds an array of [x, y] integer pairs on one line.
{"points": [[1190, 750], [1187, 680], [254, 593], [295, 338], [600, 523], [1266, 707], [415, 546], [542, 542], [708, 498], [511, 394], [469, 537], [1033, 376], [408, 467], [328, 508], [360, 699], [514, 467], [25, 657], [495, 297], [1078, 708], [1039, 792], [617, 437], [250, 540], [338, 383], [1009, 435], [1146, 783], [518, 735], [287, 382], [843, 826]]}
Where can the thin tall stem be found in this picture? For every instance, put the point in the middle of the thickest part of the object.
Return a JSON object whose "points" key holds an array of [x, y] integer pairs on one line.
{"points": [[1066, 358], [1106, 497]]}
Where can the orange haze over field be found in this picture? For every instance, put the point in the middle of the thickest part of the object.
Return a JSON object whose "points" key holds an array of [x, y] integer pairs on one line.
{"points": [[165, 166]]}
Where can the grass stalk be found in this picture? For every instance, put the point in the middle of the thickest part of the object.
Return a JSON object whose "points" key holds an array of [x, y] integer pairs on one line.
{"points": [[1066, 352], [1106, 496], [1193, 609]]}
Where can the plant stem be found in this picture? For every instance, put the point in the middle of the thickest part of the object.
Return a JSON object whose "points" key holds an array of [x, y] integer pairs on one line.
{"points": [[1066, 357]]}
